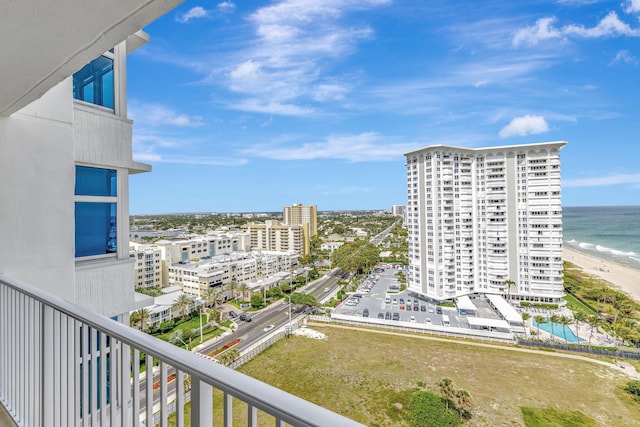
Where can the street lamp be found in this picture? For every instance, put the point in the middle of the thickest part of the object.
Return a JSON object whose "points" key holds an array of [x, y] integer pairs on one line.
{"points": [[289, 296]]}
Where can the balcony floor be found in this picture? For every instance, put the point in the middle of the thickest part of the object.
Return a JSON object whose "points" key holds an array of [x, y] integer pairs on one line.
{"points": [[5, 419]]}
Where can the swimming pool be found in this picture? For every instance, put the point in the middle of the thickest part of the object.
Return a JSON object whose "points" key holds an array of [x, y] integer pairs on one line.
{"points": [[558, 330]]}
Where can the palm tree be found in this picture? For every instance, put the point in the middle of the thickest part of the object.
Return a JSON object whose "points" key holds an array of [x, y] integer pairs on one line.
{"points": [[525, 317], [447, 390], [463, 401], [579, 316], [211, 297], [508, 284], [231, 287], [142, 315], [565, 322], [619, 304], [554, 319], [182, 303], [539, 320], [134, 319], [243, 289], [594, 322]]}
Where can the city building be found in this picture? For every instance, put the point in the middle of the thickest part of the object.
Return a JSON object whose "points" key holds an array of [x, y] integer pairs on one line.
{"points": [[274, 236], [194, 278], [485, 220], [397, 210], [302, 215], [67, 354], [147, 270]]}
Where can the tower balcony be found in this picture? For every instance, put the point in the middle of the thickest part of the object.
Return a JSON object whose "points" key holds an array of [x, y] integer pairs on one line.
{"points": [[64, 365]]}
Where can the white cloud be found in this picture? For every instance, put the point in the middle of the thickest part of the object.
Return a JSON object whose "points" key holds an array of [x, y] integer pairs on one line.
{"points": [[259, 106], [623, 56], [632, 6], [193, 13], [524, 125], [364, 147], [544, 30], [601, 181], [226, 7], [188, 160], [156, 114]]}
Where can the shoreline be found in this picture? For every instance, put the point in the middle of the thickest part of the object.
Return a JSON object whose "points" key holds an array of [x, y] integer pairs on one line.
{"points": [[623, 278]]}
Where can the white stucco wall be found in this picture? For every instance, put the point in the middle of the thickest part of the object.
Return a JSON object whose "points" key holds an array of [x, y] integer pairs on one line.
{"points": [[36, 193]]}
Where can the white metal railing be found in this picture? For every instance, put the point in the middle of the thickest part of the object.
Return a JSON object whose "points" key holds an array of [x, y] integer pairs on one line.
{"points": [[64, 365]]}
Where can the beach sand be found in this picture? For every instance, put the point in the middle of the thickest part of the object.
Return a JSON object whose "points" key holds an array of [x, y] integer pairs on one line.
{"points": [[625, 279]]}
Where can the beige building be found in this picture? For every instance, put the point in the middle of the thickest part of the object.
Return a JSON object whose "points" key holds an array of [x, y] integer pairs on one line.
{"points": [[274, 236], [196, 277], [479, 218], [302, 215], [147, 270]]}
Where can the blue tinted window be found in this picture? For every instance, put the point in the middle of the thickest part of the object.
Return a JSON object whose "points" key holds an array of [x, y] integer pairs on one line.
{"points": [[95, 181], [94, 82], [96, 232]]}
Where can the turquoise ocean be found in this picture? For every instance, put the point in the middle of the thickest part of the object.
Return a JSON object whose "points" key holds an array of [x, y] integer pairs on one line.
{"points": [[608, 232]]}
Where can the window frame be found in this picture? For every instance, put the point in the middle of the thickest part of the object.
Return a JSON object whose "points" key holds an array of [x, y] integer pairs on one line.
{"points": [[110, 54], [110, 199]]}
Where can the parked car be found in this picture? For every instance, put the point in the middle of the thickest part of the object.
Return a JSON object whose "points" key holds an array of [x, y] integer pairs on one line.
{"points": [[423, 308], [365, 312], [245, 318], [412, 319], [439, 310], [396, 316], [380, 315], [401, 300], [427, 321], [387, 315]]}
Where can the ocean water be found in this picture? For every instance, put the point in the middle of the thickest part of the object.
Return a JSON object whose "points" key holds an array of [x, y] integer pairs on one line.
{"points": [[608, 232]]}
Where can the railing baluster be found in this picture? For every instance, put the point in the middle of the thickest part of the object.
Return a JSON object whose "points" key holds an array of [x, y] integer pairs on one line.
{"points": [[179, 398], [252, 416], [55, 355], [201, 402], [149, 402], [48, 386], [62, 367], [164, 384], [227, 409], [103, 378], [84, 376], [135, 371], [124, 363], [72, 374], [115, 384], [93, 375]]}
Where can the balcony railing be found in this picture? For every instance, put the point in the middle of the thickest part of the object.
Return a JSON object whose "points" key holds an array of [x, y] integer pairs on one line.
{"points": [[64, 365]]}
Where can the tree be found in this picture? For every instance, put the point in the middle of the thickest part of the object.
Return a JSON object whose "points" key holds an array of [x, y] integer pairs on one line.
{"points": [[463, 401], [304, 299], [143, 314], [578, 317], [447, 390], [553, 320], [211, 297], [594, 322], [243, 289], [539, 321], [181, 304], [134, 319], [356, 257], [228, 356], [231, 287], [508, 283], [565, 322], [525, 317]]}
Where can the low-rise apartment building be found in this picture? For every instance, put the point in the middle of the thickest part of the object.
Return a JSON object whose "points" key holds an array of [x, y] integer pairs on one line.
{"points": [[195, 277], [275, 236]]}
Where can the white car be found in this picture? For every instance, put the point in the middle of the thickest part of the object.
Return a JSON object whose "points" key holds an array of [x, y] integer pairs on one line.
{"points": [[412, 319], [327, 289], [268, 328], [427, 321]]}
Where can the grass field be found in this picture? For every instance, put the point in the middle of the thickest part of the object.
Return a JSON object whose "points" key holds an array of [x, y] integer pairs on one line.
{"points": [[360, 374]]}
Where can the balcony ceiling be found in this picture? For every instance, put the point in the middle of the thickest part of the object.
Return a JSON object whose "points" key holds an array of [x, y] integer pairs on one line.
{"points": [[44, 42]]}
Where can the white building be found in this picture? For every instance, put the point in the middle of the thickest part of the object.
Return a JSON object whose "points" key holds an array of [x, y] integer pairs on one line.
{"points": [[478, 218], [240, 267], [397, 210], [147, 270]]}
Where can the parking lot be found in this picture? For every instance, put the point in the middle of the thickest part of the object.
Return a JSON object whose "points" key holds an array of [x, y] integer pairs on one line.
{"points": [[379, 297]]}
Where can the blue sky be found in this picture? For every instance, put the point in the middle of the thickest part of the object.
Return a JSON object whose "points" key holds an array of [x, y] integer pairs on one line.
{"points": [[251, 106]]}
